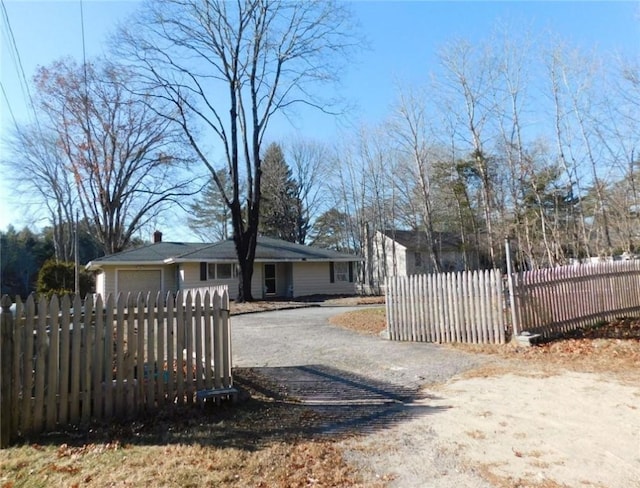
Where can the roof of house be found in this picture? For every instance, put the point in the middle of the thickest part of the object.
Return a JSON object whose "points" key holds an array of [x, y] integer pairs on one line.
{"points": [[416, 239], [267, 249]]}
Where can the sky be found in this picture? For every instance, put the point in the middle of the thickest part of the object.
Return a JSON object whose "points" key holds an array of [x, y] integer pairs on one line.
{"points": [[403, 39]]}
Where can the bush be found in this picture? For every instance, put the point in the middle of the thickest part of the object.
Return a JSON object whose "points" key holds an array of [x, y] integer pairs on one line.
{"points": [[57, 278]]}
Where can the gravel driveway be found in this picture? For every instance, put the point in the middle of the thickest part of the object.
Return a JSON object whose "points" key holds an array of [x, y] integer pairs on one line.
{"points": [[303, 337], [360, 383]]}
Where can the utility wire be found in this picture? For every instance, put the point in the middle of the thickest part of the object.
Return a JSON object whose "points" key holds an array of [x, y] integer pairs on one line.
{"points": [[17, 60], [6, 98]]}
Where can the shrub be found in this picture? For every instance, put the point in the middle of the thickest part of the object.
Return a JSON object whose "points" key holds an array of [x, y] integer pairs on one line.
{"points": [[57, 278]]}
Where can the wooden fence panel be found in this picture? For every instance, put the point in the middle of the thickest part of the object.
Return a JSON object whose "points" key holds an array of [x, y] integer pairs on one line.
{"points": [[71, 362], [452, 307], [553, 301]]}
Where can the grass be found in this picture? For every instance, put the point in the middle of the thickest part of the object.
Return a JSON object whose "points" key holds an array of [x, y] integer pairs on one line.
{"points": [[260, 442], [367, 321]]}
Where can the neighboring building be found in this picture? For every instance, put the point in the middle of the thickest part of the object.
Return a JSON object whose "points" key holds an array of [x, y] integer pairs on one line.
{"points": [[281, 269], [406, 252]]}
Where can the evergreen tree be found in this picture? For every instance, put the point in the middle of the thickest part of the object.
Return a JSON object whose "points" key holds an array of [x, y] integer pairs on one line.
{"points": [[280, 208], [209, 216]]}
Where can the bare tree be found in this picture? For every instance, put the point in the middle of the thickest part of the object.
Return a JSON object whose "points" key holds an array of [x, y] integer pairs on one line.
{"points": [[121, 155], [229, 68], [36, 166], [468, 84], [409, 129], [310, 165]]}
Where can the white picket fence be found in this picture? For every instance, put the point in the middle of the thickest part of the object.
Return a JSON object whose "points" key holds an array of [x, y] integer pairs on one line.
{"points": [[473, 307], [452, 307], [556, 300], [71, 362]]}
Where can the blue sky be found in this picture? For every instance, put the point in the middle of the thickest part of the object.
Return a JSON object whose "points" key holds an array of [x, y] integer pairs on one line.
{"points": [[403, 37]]}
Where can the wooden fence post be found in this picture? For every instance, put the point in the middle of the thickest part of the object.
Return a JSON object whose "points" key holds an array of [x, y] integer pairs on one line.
{"points": [[6, 373], [512, 295]]}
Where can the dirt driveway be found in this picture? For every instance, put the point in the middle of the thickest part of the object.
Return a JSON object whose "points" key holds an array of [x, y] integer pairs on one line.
{"points": [[435, 417]]}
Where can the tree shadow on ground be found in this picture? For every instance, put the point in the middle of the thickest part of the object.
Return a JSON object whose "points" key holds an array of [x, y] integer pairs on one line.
{"points": [[280, 404], [342, 401]]}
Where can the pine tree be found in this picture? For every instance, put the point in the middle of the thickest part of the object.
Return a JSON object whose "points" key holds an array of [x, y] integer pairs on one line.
{"points": [[210, 217], [280, 207]]}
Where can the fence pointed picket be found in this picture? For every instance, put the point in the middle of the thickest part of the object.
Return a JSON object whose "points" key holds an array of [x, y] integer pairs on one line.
{"points": [[171, 334], [121, 331], [40, 369], [217, 339], [208, 340], [26, 425], [98, 360], [140, 373], [87, 330], [226, 337], [160, 333], [109, 371], [199, 371], [424, 330], [180, 343], [189, 366], [151, 375], [53, 372], [76, 362], [18, 341], [65, 359], [130, 355]]}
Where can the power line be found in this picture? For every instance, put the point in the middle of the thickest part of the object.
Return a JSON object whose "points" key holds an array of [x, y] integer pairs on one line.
{"points": [[17, 61], [6, 98]]}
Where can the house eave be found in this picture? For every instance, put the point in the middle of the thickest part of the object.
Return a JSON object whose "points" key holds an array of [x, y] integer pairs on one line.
{"points": [[266, 260], [95, 266]]}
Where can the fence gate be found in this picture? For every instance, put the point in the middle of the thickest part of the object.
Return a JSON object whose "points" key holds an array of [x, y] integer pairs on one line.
{"points": [[447, 307]]}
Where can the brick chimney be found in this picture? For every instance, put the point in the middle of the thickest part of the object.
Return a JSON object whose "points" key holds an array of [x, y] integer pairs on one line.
{"points": [[157, 237]]}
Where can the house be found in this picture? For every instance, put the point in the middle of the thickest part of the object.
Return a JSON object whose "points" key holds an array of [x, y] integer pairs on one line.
{"points": [[281, 269], [395, 252]]}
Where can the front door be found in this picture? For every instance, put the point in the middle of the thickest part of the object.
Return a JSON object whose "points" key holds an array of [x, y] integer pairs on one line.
{"points": [[269, 279]]}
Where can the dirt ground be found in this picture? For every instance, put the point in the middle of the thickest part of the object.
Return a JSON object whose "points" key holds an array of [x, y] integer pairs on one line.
{"points": [[561, 414]]}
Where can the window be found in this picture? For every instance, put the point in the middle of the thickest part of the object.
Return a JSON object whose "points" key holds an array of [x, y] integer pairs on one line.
{"points": [[224, 271], [340, 272], [418, 260], [221, 271]]}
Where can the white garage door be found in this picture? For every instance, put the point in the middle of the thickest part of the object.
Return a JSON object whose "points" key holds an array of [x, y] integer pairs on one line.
{"points": [[135, 281]]}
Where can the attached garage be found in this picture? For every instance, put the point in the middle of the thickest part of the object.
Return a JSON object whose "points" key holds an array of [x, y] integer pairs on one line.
{"points": [[138, 280]]}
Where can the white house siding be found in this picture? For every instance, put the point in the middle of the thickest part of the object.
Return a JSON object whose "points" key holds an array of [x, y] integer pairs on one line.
{"points": [[100, 284], [314, 278], [189, 277], [383, 255]]}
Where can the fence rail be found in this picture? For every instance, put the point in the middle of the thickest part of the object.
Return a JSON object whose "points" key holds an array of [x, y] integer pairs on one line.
{"points": [[71, 362], [452, 307]]}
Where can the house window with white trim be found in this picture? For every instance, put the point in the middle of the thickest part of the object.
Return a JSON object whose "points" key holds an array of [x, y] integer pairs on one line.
{"points": [[221, 271], [342, 271]]}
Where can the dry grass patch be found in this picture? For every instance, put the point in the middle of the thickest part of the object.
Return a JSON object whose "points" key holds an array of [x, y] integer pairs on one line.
{"points": [[366, 321], [612, 347], [261, 442]]}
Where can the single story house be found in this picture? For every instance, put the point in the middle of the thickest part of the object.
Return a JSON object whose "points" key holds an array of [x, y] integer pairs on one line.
{"points": [[281, 269]]}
